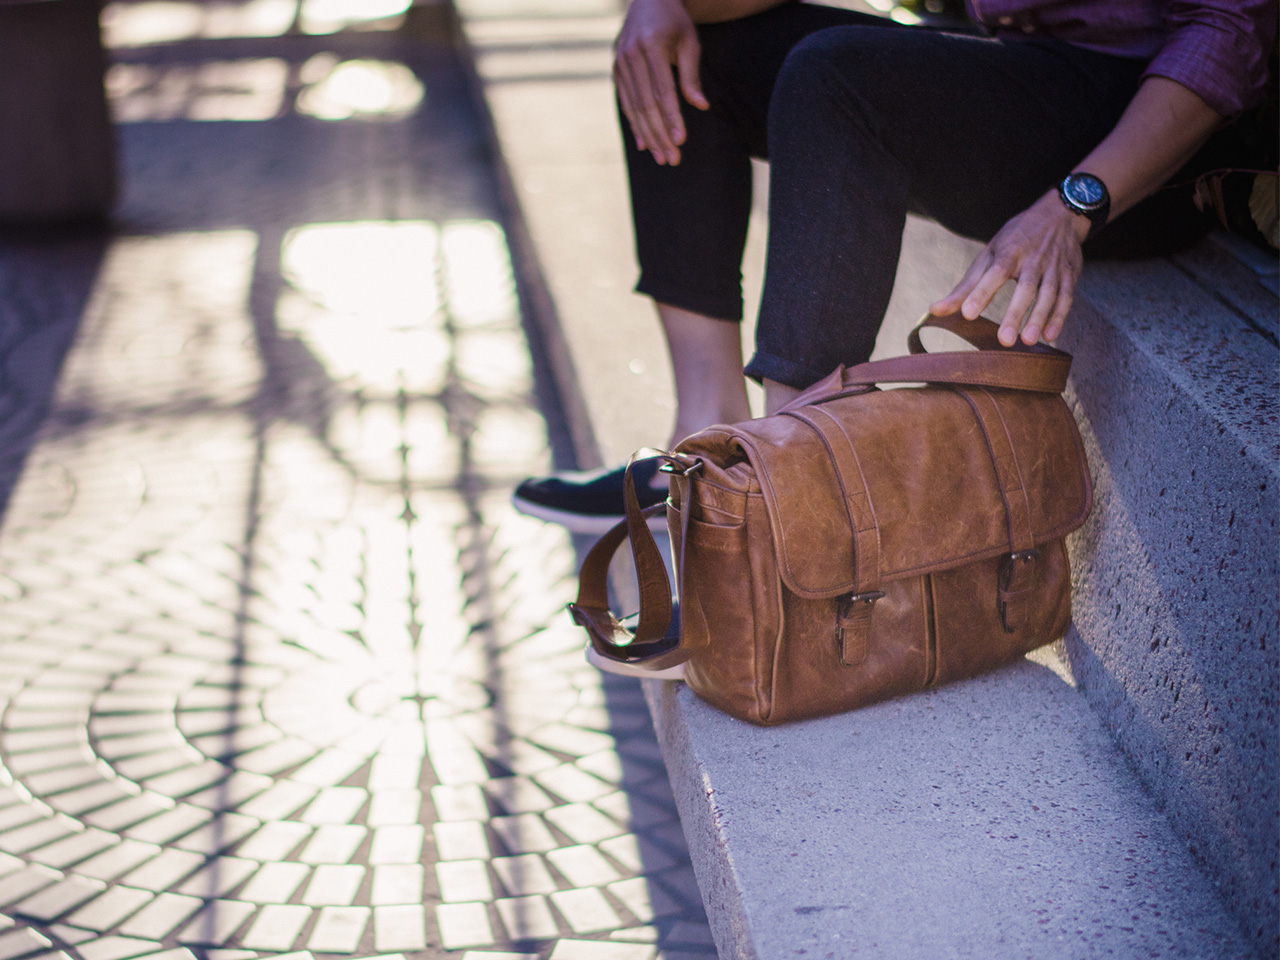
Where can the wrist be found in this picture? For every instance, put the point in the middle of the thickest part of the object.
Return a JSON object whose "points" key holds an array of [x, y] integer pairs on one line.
{"points": [[1052, 206], [1077, 223]]}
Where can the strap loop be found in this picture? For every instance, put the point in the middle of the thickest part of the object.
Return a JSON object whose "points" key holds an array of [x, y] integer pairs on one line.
{"points": [[656, 639], [853, 626]]}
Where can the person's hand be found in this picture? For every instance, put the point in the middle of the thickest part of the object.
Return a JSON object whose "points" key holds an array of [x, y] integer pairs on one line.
{"points": [[657, 34], [1040, 248]]}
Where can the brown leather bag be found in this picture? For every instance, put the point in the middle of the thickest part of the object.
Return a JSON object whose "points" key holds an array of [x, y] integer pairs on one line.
{"points": [[862, 543]]}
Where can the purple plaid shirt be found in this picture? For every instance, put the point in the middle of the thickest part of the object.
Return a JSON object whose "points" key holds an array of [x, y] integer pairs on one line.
{"points": [[1216, 48]]}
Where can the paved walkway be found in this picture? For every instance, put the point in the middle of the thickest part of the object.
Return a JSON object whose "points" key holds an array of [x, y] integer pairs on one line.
{"points": [[281, 671]]}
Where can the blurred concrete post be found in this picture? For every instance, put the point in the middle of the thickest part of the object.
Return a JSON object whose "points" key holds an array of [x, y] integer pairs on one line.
{"points": [[57, 151]]}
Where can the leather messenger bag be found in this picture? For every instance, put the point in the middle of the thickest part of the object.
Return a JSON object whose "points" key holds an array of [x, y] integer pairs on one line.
{"points": [[862, 543]]}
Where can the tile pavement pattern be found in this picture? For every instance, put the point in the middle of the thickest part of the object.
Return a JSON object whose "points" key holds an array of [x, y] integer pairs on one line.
{"points": [[281, 672]]}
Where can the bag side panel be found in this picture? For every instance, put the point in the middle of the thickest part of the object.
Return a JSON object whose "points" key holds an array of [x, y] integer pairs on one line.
{"points": [[725, 602], [970, 634]]}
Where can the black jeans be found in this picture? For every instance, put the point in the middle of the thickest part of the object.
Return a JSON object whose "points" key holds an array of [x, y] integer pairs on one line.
{"points": [[862, 120]]}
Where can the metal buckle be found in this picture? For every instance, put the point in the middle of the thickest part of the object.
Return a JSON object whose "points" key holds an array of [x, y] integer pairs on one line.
{"points": [[1007, 564], [846, 610], [676, 470], [870, 596]]}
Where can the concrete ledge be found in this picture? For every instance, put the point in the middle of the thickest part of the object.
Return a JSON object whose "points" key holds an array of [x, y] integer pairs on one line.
{"points": [[1176, 639], [1174, 644], [990, 819]]}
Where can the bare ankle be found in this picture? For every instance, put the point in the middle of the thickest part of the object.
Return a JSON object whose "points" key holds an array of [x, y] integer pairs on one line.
{"points": [[777, 395]]}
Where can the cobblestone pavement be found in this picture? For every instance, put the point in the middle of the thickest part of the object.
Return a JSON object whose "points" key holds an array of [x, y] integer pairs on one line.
{"points": [[281, 671]]}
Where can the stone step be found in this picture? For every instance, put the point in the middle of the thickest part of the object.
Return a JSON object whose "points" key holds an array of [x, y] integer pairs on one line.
{"points": [[990, 819]]}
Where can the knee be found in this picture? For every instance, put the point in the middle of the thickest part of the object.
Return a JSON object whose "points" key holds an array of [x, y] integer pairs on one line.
{"points": [[813, 67], [829, 77], [743, 56]]}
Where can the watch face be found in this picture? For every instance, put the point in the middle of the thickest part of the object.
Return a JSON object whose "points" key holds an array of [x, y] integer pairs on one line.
{"points": [[1085, 190]]}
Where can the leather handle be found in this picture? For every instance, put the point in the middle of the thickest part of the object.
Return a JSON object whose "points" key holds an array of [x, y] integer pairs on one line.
{"points": [[1041, 369], [980, 333]]}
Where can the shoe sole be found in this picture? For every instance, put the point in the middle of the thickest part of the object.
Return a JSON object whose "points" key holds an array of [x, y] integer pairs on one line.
{"points": [[578, 522], [630, 670]]}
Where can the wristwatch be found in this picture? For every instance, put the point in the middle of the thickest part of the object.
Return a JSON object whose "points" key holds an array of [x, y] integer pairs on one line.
{"points": [[1085, 194]]}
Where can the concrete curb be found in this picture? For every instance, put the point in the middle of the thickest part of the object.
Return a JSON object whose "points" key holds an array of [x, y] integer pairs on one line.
{"points": [[989, 819]]}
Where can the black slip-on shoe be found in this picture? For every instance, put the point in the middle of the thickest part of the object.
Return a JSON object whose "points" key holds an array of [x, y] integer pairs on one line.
{"points": [[587, 501]]}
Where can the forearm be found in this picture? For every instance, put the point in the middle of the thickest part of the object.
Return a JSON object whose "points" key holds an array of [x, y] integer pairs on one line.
{"points": [[718, 11], [1163, 126]]}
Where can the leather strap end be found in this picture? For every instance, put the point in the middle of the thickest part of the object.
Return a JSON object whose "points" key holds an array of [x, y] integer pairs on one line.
{"points": [[1015, 590], [853, 627], [661, 660]]}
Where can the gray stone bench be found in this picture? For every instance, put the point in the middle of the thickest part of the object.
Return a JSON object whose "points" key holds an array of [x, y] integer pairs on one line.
{"points": [[1113, 797]]}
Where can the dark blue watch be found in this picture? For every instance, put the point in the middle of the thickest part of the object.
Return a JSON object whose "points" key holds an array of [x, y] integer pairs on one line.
{"points": [[1087, 195]]}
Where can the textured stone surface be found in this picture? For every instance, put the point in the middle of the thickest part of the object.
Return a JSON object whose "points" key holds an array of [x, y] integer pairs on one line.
{"points": [[989, 819], [1177, 625], [1176, 640]]}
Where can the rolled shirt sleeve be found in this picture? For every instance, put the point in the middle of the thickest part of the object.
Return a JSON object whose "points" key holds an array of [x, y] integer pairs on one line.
{"points": [[1218, 49]]}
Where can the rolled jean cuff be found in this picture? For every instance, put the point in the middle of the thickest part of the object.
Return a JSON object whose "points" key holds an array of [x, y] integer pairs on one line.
{"points": [[719, 306], [767, 366]]}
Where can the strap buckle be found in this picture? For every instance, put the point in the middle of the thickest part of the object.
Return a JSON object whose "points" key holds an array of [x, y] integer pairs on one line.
{"points": [[678, 470], [853, 625], [871, 596]]}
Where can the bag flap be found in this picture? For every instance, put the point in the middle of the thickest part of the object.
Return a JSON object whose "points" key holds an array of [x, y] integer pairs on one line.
{"points": [[928, 479]]}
